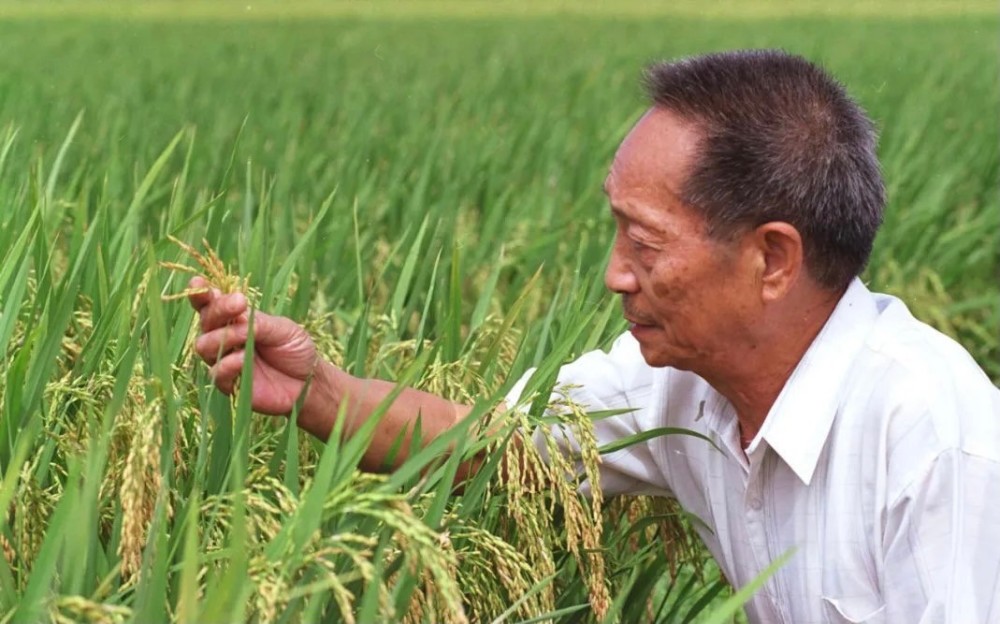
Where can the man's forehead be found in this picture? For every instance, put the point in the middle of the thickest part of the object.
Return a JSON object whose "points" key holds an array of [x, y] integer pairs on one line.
{"points": [[622, 191], [655, 156]]}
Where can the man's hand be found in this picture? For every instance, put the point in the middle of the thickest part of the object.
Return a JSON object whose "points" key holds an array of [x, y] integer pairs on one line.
{"points": [[284, 354], [285, 359]]}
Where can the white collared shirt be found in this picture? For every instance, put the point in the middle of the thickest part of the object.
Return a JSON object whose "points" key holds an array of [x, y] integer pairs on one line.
{"points": [[879, 464]]}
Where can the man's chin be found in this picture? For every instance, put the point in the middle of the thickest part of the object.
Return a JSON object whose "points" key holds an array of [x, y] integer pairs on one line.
{"points": [[656, 356], [653, 356]]}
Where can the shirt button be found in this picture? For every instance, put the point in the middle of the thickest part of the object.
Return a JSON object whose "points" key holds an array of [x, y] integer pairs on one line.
{"points": [[756, 504]]}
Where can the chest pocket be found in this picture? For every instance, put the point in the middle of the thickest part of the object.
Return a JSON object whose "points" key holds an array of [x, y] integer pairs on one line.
{"points": [[854, 609]]}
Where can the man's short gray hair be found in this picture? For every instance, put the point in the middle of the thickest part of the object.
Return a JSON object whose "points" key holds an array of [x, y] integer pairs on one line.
{"points": [[782, 141]]}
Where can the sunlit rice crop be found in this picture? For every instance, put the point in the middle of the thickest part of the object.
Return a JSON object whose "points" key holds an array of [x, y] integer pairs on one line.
{"points": [[432, 215]]}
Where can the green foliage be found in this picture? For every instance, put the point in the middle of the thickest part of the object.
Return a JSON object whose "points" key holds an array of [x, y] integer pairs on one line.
{"points": [[424, 195]]}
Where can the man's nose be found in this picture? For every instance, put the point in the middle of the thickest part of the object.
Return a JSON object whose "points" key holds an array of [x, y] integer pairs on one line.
{"points": [[619, 277]]}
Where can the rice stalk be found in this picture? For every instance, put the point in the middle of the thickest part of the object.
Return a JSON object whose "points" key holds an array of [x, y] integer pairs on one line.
{"points": [[494, 572], [80, 610], [31, 513], [536, 485], [141, 483], [9, 554], [212, 269]]}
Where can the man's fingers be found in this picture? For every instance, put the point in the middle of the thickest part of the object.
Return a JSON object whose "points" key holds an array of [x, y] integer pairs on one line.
{"points": [[225, 372], [219, 342], [270, 331], [222, 310], [201, 299]]}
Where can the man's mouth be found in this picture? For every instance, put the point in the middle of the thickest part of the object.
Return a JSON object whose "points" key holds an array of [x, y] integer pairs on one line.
{"points": [[635, 318], [635, 323]]}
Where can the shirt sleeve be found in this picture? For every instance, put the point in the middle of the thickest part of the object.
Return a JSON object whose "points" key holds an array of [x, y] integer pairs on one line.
{"points": [[942, 544], [597, 381]]}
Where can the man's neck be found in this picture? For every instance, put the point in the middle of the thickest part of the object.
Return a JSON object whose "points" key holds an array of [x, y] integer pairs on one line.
{"points": [[752, 376]]}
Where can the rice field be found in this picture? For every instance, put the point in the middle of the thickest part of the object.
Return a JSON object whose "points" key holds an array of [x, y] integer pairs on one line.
{"points": [[420, 185]]}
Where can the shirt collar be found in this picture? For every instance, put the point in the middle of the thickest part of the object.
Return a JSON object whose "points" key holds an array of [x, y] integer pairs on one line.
{"points": [[799, 422]]}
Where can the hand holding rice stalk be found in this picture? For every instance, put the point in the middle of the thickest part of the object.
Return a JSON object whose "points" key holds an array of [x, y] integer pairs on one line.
{"points": [[285, 359], [284, 354], [214, 272]]}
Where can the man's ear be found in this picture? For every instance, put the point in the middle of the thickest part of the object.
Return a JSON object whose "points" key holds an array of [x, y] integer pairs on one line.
{"points": [[779, 246]]}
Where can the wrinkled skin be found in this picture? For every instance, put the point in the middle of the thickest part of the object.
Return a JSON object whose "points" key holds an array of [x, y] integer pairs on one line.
{"points": [[688, 297], [284, 354]]}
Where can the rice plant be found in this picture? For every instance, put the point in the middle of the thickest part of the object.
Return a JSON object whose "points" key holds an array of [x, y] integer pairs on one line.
{"points": [[433, 216]]}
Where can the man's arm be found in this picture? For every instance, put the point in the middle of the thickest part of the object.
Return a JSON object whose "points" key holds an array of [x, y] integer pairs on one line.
{"points": [[942, 544], [333, 390], [286, 364], [285, 359]]}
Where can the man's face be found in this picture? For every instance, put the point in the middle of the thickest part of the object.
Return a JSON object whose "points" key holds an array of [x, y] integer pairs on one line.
{"points": [[687, 297]]}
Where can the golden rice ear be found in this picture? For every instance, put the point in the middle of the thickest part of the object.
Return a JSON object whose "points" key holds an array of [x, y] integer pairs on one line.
{"points": [[141, 483], [536, 485], [184, 294], [212, 269]]}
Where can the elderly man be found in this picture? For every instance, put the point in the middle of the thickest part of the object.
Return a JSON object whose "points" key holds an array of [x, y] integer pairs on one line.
{"points": [[746, 200]]}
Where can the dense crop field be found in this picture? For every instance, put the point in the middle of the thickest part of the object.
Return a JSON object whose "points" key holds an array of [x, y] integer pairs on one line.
{"points": [[421, 188]]}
